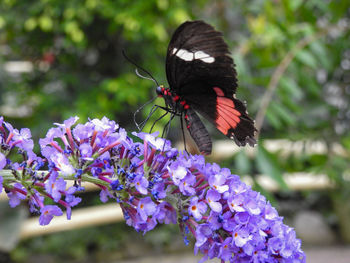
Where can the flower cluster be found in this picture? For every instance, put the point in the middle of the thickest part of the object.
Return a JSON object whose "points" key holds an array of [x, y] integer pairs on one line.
{"points": [[152, 182]]}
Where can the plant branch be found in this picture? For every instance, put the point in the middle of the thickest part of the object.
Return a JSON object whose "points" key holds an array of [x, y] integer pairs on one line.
{"points": [[280, 70]]}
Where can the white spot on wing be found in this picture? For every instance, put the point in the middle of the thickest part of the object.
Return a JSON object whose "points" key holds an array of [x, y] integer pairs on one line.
{"points": [[185, 55], [189, 56], [204, 57]]}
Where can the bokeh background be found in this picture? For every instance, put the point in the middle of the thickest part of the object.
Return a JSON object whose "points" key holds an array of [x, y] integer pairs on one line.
{"points": [[64, 58]]}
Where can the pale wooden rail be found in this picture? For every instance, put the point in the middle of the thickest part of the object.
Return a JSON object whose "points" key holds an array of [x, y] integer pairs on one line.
{"points": [[82, 217]]}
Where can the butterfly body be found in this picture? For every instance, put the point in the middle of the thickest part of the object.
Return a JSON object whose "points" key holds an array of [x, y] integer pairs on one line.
{"points": [[202, 78], [181, 108]]}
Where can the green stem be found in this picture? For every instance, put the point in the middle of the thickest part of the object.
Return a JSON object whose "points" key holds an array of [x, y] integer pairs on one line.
{"points": [[9, 177]]}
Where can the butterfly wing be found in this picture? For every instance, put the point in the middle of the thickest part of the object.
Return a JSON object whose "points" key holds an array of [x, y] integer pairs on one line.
{"points": [[200, 70], [198, 132], [198, 58], [229, 115]]}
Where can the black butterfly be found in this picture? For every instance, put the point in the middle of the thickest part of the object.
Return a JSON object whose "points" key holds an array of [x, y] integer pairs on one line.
{"points": [[202, 79]]}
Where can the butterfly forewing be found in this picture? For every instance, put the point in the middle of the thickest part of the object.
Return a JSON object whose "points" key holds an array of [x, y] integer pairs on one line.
{"points": [[198, 52]]}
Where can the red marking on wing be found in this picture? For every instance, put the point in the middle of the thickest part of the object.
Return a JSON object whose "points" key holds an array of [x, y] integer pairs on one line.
{"points": [[227, 116], [219, 91]]}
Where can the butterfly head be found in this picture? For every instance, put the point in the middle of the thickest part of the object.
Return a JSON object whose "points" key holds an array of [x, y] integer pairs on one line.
{"points": [[164, 92], [160, 91]]}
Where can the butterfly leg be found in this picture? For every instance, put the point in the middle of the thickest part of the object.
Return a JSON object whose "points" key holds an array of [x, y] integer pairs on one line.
{"points": [[144, 122], [167, 128], [183, 131], [161, 117], [167, 110]]}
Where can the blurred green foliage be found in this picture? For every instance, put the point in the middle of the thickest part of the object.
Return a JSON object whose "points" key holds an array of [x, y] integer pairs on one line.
{"points": [[75, 48], [292, 57]]}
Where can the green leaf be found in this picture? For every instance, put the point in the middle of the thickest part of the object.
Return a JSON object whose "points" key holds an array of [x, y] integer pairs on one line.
{"points": [[283, 113], [273, 119], [291, 87], [346, 143], [295, 4], [320, 51], [45, 23], [306, 57], [268, 164]]}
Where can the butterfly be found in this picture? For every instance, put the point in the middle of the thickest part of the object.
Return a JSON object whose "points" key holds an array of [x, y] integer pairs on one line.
{"points": [[202, 79]]}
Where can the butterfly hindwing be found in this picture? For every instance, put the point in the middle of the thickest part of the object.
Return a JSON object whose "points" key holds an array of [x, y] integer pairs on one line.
{"points": [[198, 132], [229, 115]]}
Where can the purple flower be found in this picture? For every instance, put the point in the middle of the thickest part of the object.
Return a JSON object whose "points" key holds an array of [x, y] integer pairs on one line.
{"points": [[136, 149], [50, 135], [85, 150], [16, 195], [203, 232], [68, 123], [270, 213], [228, 221], [47, 151], [173, 152], [145, 208], [212, 198], [177, 171], [62, 162], [83, 132], [141, 184], [116, 185], [215, 220], [104, 124], [22, 139], [158, 191], [241, 218], [9, 127], [47, 213], [226, 249], [197, 209], [2, 161], [145, 226], [236, 202], [156, 143], [241, 236], [35, 201], [165, 213], [105, 195], [252, 207], [70, 198], [186, 185], [218, 183], [55, 187], [153, 183]]}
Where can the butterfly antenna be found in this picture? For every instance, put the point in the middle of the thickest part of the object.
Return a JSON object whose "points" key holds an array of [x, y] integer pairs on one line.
{"points": [[141, 68], [144, 77]]}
